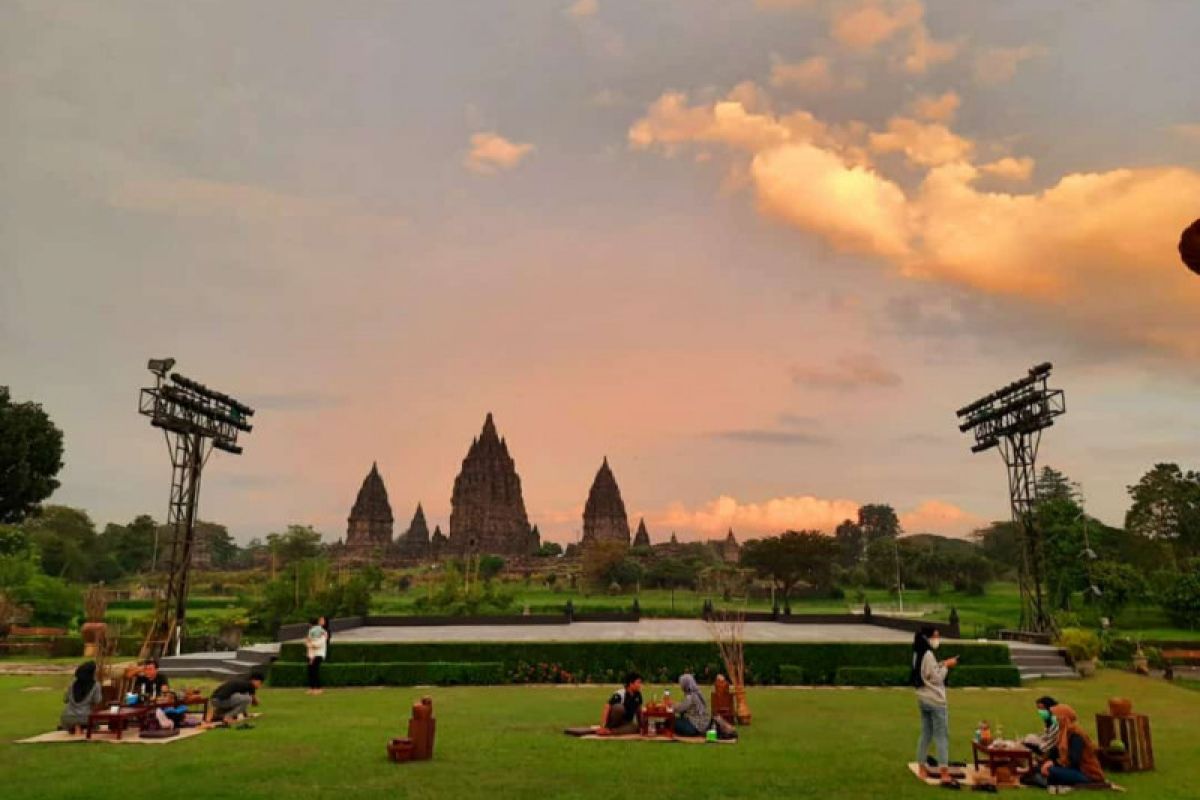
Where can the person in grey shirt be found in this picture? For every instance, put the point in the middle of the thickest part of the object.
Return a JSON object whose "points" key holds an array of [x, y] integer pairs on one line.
{"points": [[232, 698], [81, 697], [928, 676], [692, 717]]}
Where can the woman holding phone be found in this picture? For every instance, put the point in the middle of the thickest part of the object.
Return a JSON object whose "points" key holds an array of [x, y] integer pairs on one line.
{"points": [[928, 676]]}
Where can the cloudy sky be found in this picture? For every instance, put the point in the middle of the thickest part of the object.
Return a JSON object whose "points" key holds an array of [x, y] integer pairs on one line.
{"points": [[756, 253]]}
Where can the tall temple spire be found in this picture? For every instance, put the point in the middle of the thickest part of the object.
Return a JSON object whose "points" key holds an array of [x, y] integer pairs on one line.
{"points": [[642, 538], [604, 517], [370, 522], [487, 510]]}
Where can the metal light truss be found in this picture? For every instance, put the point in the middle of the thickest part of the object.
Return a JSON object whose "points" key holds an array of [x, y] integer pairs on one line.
{"points": [[194, 419], [1012, 419]]}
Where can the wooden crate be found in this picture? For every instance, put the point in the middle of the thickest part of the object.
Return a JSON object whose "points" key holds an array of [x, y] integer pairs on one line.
{"points": [[1134, 731]]}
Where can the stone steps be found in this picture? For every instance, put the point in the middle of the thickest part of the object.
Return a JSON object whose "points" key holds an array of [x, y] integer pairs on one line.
{"points": [[219, 665], [1040, 661]]}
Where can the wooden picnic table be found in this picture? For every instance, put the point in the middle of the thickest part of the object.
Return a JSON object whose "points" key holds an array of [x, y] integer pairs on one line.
{"points": [[1013, 756], [117, 721], [667, 715]]}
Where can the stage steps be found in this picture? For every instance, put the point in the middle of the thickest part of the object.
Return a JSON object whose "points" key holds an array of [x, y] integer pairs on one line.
{"points": [[220, 665], [1040, 661]]}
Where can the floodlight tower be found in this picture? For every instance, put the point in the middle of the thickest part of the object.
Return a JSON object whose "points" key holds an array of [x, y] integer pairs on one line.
{"points": [[194, 419], [1012, 419]]}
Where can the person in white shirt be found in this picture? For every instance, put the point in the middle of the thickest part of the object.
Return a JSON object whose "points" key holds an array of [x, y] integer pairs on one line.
{"points": [[928, 676], [317, 645]]}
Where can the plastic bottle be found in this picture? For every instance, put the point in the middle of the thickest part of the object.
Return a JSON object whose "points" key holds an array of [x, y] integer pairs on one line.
{"points": [[667, 699]]}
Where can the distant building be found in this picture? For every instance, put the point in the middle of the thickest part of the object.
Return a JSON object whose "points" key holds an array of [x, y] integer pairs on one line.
{"points": [[604, 518], [728, 548], [413, 544], [642, 537], [369, 528], [487, 510]]}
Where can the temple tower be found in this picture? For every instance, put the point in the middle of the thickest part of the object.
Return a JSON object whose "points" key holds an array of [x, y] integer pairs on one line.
{"points": [[414, 543], [642, 537], [487, 511], [370, 523], [604, 518]]}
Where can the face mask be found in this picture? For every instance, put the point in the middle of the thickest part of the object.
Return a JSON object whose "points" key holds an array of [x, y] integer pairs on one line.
{"points": [[935, 643], [1045, 715]]}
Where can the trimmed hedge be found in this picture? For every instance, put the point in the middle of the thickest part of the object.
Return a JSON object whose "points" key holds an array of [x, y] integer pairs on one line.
{"points": [[593, 662], [990, 675], [392, 674], [791, 675]]}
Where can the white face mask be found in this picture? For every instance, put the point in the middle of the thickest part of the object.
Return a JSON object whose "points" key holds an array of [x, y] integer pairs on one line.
{"points": [[933, 643]]}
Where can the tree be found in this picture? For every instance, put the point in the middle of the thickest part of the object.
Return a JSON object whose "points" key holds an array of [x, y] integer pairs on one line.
{"points": [[549, 550], [131, 545], [298, 542], [1180, 599], [1054, 485], [1119, 584], [672, 573], [792, 558], [1166, 507], [31, 449], [878, 521], [1000, 543], [490, 566], [66, 540], [599, 561], [852, 545]]}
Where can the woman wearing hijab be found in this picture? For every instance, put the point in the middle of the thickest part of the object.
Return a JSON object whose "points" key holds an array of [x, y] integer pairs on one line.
{"points": [[691, 712], [928, 676], [81, 697], [1075, 760]]}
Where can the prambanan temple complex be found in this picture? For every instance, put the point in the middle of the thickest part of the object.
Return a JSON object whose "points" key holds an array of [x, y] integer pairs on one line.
{"points": [[487, 515]]}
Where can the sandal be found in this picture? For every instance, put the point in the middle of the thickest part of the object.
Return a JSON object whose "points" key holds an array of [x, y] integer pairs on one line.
{"points": [[950, 784]]}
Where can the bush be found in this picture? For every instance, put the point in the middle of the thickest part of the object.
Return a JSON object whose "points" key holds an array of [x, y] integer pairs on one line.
{"points": [[393, 673], [791, 675], [1180, 599], [607, 661], [972, 675], [1082, 645]]}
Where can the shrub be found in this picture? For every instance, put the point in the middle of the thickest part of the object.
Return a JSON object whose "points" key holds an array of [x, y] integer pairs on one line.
{"points": [[1180, 598], [394, 673], [971, 675], [588, 661], [791, 675], [1082, 645]]}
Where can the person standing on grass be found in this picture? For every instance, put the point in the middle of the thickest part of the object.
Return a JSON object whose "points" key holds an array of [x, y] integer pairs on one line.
{"points": [[691, 713], [81, 697], [232, 698], [317, 644], [623, 711], [928, 676]]}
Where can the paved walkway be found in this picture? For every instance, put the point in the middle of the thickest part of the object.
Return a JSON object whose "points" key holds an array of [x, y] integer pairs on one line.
{"points": [[647, 630]]}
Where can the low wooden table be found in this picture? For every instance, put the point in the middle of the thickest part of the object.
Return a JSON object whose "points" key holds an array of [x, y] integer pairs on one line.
{"points": [[1018, 760], [664, 714], [117, 720]]}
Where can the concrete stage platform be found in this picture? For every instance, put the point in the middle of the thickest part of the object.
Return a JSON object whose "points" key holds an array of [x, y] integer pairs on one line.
{"points": [[648, 630]]}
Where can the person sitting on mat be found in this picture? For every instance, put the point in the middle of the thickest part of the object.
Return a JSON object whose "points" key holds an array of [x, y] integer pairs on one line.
{"points": [[691, 712], [1075, 760], [150, 684], [230, 700], [81, 697], [622, 712]]}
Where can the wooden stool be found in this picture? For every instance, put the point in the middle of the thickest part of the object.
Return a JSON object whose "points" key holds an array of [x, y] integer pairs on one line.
{"points": [[422, 729], [1134, 731], [721, 701]]}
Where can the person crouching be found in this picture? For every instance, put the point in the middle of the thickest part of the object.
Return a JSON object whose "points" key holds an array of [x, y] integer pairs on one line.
{"points": [[623, 711]]}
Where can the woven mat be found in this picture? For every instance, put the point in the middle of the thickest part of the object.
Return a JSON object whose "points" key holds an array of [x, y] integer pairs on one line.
{"points": [[128, 737], [589, 733], [973, 777]]}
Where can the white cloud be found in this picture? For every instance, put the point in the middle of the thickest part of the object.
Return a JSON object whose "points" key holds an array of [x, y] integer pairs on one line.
{"points": [[1010, 169], [490, 152]]}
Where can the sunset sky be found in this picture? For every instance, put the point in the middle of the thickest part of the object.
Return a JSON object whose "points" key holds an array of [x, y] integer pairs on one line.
{"points": [[755, 253]]}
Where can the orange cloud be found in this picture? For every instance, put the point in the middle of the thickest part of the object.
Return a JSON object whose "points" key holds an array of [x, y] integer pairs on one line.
{"points": [[582, 8], [803, 512], [937, 109], [1010, 169], [923, 144], [490, 152], [870, 23], [935, 516], [810, 75], [848, 372], [1099, 247], [996, 65]]}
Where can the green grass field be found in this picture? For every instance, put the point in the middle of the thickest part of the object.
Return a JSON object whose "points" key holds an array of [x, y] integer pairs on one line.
{"points": [[505, 742]]}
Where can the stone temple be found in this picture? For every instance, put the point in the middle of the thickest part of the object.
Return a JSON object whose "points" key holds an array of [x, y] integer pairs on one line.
{"points": [[370, 525], [487, 511], [413, 544], [604, 518]]}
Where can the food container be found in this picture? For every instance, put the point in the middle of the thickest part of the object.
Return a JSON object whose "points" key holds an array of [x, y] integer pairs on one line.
{"points": [[1120, 706]]}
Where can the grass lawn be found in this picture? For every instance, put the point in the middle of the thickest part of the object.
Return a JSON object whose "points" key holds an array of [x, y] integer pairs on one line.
{"points": [[506, 742]]}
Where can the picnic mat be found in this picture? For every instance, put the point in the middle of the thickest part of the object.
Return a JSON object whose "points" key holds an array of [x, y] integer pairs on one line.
{"points": [[590, 733], [129, 737], [973, 777]]}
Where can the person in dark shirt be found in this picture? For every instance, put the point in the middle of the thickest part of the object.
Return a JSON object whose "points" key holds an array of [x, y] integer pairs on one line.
{"points": [[623, 710], [150, 683], [231, 699]]}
